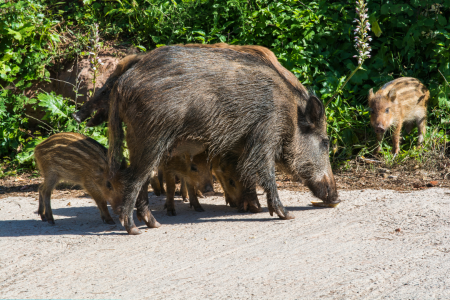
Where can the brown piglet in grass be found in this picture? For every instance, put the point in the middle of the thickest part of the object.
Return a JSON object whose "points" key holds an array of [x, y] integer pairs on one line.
{"points": [[75, 158], [399, 103]]}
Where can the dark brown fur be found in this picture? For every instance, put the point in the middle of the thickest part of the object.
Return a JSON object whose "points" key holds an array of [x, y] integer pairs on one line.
{"points": [[100, 102], [75, 158], [401, 102], [230, 101]]}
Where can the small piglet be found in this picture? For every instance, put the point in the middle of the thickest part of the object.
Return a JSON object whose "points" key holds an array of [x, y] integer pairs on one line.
{"points": [[236, 194], [401, 102], [195, 175], [75, 158]]}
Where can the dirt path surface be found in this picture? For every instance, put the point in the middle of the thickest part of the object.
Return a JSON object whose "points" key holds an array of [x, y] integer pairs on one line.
{"points": [[349, 252]]}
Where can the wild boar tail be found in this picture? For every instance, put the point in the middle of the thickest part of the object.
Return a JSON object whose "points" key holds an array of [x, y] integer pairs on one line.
{"points": [[115, 134]]}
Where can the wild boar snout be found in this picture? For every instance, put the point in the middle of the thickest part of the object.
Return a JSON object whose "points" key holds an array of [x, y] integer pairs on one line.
{"points": [[208, 188], [325, 189], [76, 117]]}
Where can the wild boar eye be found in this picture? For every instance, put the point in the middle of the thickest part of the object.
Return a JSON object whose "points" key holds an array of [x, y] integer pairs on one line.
{"points": [[370, 110], [232, 183], [194, 168], [108, 185], [387, 110], [325, 143], [103, 92]]}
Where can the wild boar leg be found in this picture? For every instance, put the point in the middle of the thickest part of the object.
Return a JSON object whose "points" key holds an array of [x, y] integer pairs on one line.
{"points": [[101, 204], [170, 194], [156, 186], [45, 192], [143, 212], [396, 138], [161, 182], [421, 126], [193, 200], [132, 187], [273, 200], [250, 201], [183, 190]]}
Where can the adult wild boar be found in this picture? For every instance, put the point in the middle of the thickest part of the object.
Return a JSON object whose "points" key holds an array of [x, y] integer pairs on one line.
{"points": [[78, 159], [401, 102], [100, 101], [228, 101]]}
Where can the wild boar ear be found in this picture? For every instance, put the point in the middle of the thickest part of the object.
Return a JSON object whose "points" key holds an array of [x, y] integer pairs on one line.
{"points": [[392, 95], [313, 114], [314, 110]]}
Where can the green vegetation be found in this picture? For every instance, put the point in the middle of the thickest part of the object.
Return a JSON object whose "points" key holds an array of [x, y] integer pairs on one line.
{"points": [[313, 39]]}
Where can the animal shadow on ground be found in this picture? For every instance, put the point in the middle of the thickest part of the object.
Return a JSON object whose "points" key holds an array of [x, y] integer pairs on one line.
{"points": [[85, 220], [215, 211], [34, 187]]}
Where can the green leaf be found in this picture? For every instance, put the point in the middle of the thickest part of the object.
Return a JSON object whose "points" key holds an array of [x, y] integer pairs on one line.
{"points": [[385, 9], [142, 48], [442, 20], [156, 39], [26, 155], [375, 27], [54, 104], [200, 32], [16, 34]]}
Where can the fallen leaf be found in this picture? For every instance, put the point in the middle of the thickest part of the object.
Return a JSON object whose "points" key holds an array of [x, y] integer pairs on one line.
{"points": [[432, 183], [322, 204]]}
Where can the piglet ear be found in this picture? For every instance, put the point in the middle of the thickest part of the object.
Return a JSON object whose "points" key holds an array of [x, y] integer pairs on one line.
{"points": [[370, 95], [392, 95]]}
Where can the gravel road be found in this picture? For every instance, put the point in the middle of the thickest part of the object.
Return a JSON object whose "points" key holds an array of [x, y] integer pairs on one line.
{"points": [[378, 244]]}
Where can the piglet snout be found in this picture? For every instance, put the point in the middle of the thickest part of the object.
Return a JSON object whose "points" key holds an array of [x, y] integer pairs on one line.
{"points": [[379, 129]]}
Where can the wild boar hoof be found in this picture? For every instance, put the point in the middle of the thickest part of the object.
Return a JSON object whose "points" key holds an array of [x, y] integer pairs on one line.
{"points": [[154, 224], [185, 200], [255, 209], [171, 212], [51, 222], [43, 218], [287, 216], [74, 115], [282, 213]]}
